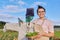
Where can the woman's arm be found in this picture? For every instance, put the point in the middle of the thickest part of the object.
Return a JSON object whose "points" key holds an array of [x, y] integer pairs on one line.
{"points": [[45, 34], [50, 34]]}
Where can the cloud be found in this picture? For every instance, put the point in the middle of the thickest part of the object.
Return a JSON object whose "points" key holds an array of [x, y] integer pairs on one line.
{"points": [[56, 22], [10, 18], [21, 2], [38, 3], [12, 8], [7, 16], [11, 0]]}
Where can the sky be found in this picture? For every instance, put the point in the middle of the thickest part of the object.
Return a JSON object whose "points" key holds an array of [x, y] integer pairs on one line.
{"points": [[10, 10]]}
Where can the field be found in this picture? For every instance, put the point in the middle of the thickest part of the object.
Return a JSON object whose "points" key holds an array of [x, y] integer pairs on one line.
{"points": [[57, 35], [8, 35], [13, 35]]}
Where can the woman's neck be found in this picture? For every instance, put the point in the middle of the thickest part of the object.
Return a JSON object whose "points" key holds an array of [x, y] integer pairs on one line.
{"points": [[42, 18]]}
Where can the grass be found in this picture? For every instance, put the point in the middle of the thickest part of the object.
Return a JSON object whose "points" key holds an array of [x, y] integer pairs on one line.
{"points": [[13, 35], [8, 35], [57, 34]]}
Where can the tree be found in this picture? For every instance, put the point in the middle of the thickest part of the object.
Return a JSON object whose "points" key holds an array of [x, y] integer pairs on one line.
{"points": [[2, 24]]}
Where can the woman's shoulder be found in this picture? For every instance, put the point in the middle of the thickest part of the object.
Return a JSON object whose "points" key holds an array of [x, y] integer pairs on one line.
{"points": [[49, 21]]}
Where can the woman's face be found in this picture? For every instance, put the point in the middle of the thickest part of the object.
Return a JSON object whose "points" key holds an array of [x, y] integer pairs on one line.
{"points": [[41, 13]]}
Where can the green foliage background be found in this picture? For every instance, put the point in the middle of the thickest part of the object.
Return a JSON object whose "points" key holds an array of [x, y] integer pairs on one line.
{"points": [[8, 35], [2, 24]]}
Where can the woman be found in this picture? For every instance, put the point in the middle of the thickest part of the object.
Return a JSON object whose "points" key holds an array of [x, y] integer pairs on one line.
{"points": [[47, 26]]}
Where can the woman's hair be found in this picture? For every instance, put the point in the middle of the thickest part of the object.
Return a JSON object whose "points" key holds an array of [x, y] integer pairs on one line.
{"points": [[40, 7]]}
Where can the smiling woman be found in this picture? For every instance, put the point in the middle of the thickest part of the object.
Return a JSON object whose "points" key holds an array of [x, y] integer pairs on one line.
{"points": [[47, 26], [17, 8]]}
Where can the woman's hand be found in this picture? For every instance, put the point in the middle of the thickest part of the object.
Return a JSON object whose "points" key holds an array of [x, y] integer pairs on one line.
{"points": [[37, 36]]}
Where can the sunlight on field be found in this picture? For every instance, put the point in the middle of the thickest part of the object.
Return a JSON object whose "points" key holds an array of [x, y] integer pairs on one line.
{"points": [[13, 35], [57, 34], [9, 35]]}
